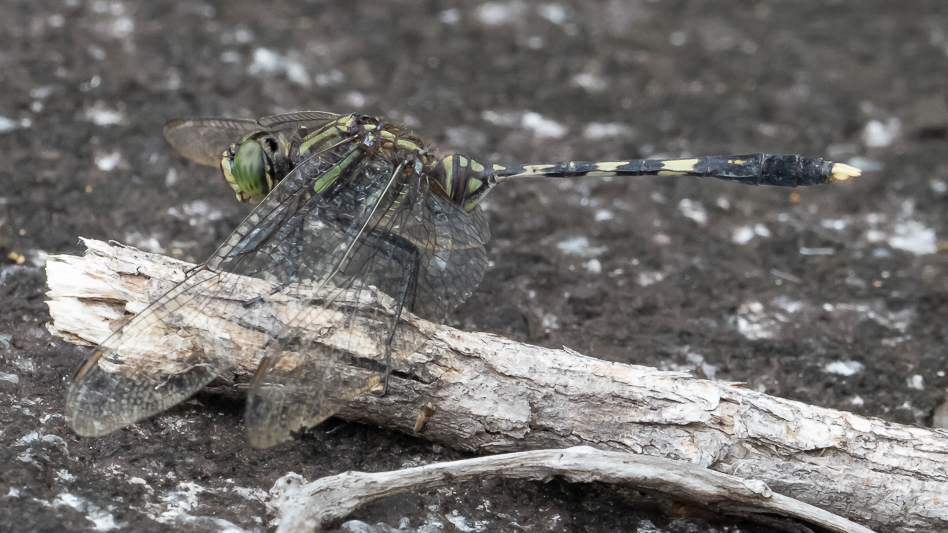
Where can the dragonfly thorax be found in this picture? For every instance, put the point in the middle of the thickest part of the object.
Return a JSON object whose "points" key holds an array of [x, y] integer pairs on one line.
{"points": [[256, 163]]}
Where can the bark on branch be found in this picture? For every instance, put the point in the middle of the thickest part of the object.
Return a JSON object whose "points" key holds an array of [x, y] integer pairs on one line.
{"points": [[487, 394], [307, 506]]}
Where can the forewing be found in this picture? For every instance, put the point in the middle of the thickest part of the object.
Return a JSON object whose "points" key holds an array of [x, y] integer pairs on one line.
{"points": [[204, 140], [404, 250], [129, 378], [311, 120]]}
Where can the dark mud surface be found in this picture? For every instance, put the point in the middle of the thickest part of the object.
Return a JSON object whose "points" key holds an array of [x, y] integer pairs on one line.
{"points": [[834, 296]]}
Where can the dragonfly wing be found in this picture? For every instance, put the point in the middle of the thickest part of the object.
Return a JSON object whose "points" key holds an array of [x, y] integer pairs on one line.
{"points": [[456, 261], [204, 140], [310, 119], [391, 285], [129, 378]]}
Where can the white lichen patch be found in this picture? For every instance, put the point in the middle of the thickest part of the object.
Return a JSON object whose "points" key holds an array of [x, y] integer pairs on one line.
{"points": [[501, 118], [251, 493], [844, 368], [266, 61], [580, 246], [604, 214], [745, 234], [693, 210], [590, 82], [450, 16], [7, 124], [102, 115], [753, 323], [109, 161], [197, 213], [101, 519], [542, 127], [901, 232], [498, 13], [595, 131], [649, 278], [878, 134], [463, 524], [838, 224], [914, 237], [783, 318], [593, 266], [742, 234], [555, 13], [916, 382], [148, 243], [696, 362]]}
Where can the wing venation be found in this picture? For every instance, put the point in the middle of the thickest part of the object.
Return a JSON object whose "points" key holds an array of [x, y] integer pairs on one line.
{"points": [[204, 140]]}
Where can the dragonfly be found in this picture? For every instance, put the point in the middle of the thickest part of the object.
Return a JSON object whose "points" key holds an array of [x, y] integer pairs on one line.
{"points": [[363, 236]]}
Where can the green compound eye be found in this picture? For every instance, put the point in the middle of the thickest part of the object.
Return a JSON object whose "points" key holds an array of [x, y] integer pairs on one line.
{"points": [[251, 170]]}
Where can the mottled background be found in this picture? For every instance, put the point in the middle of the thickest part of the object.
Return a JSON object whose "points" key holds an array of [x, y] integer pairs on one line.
{"points": [[833, 296]]}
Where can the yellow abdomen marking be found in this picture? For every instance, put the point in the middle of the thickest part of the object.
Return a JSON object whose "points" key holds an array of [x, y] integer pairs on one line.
{"points": [[678, 165], [536, 169], [609, 166]]}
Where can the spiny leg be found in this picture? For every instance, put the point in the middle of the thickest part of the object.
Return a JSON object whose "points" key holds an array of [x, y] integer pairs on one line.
{"points": [[407, 296]]}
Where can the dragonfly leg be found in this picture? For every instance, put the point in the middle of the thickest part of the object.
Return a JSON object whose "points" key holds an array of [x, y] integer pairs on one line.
{"points": [[405, 300], [191, 270]]}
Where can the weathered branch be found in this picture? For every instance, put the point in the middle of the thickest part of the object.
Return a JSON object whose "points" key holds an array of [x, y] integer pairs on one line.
{"points": [[483, 393], [303, 507]]}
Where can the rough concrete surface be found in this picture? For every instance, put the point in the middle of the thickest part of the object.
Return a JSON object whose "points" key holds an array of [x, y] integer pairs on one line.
{"points": [[834, 296]]}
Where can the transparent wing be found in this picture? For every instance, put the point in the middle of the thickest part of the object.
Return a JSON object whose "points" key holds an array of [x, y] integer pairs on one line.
{"points": [[204, 140], [309, 119], [404, 267], [129, 377], [330, 272]]}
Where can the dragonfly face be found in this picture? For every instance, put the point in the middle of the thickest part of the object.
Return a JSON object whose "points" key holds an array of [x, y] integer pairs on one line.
{"points": [[254, 165]]}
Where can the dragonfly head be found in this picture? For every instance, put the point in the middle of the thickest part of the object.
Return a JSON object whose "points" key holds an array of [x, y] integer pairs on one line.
{"points": [[252, 166]]}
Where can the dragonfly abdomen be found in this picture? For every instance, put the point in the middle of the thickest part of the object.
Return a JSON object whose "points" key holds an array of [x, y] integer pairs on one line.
{"points": [[753, 169]]}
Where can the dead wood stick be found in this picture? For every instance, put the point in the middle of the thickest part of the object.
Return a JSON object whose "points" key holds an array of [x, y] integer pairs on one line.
{"points": [[306, 506], [484, 393]]}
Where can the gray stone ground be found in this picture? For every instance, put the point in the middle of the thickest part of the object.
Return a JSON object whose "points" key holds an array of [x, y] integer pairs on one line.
{"points": [[833, 296]]}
